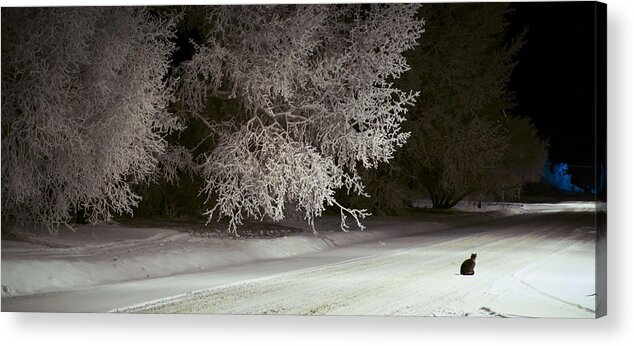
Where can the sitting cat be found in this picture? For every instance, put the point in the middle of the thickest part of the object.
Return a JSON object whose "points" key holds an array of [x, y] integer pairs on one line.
{"points": [[467, 267]]}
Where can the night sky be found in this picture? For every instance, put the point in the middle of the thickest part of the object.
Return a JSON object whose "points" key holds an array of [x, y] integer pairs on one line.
{"points": [[554, 80]]}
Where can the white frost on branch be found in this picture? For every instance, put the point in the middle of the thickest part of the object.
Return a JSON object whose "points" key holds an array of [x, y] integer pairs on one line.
{"points": [[84, 100], [315, 85], [173, 160]]}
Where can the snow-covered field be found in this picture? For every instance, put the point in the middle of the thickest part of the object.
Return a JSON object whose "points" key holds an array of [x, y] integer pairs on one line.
{"points": [[533, 260]]}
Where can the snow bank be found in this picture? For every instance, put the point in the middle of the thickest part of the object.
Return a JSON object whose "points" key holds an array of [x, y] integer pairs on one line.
{"points": [[101, 254]]}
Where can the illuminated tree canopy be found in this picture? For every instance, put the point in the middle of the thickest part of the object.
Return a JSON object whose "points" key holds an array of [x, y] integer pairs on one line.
{"points": [[90, 94], [83, 109], [313, 83]]}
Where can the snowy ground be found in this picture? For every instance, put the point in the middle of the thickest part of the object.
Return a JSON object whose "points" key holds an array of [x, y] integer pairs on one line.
{"points": [[539, 262]]}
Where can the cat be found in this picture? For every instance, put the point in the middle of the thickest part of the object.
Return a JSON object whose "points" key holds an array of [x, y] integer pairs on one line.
{"points": [[468, 266]]}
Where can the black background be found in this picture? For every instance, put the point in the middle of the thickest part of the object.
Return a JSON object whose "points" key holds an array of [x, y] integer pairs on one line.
{"points": [[554, 79]]}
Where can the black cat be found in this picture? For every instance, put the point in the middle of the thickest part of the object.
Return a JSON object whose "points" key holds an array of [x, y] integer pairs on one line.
{"points": [[468, 266]]}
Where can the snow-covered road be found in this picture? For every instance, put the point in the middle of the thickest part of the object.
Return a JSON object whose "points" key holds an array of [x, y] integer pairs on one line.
{"points": [[537, 265]]}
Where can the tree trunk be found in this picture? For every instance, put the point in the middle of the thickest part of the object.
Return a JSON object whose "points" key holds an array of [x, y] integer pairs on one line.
{"points": [[446, 201], [81, 217]]}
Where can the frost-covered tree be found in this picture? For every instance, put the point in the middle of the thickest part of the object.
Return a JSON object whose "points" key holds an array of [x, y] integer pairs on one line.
{"points": [[452, 159], [84, 97], [525, 153], [461, 141], [315, 103]]}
